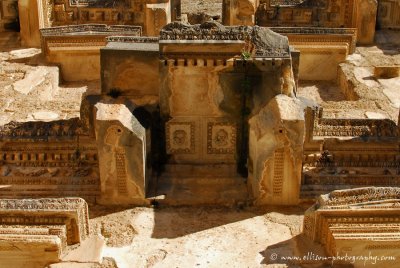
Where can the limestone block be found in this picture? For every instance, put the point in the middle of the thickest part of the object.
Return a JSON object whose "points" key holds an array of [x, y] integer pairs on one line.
{"points": [[72, 212], [42, 80], [366, 20], [59, 231], [122, 145], [388, 14], [8, 14], [357, 222], [76, 48], [132, 68], [239, 12], [275, 151], [29, 13], [386, 71], [157, 16], [319, 62], [78, 65], [36, 251]]}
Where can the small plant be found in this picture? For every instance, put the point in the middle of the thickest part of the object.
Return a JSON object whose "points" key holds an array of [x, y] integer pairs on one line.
{"points": [[246, 55], [248, 46], [114, 93]]}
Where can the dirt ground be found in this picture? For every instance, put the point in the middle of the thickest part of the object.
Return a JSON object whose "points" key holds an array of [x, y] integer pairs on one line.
{"points": [[197, 236]]}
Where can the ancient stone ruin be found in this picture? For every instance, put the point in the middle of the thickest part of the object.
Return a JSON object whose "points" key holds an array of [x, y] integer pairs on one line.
{"points": [[356, 221], [124, 103]]}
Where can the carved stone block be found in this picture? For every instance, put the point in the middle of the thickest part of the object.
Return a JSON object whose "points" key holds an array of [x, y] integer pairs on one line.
{"points": [[221, 138], [357, 220], [180, 137], [71, 212]]}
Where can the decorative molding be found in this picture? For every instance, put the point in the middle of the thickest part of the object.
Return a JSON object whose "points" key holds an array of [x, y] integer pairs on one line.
{"points": [[221, 138], [91, 29], [279, 162], [277, 45], [132, 39], [361, 128], [72, 212], [43, 130], [120, 166], [180, 137]]}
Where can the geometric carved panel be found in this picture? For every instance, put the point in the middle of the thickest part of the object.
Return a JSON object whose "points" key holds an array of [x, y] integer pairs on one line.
{"points": [[277, 183], [221, 138], [180, 137]]}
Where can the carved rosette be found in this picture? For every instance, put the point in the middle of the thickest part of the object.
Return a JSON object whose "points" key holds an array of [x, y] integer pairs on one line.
{"points": [[221, 138], [180, 137]]}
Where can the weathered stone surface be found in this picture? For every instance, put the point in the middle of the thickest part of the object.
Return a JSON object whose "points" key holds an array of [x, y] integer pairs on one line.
{"points": [[130, 65], [264, 42], [89, 251], [36, 231], [123, 147], [275, 153], [239, 12], [63, 211], [34, 251], [76, 48], [8, 15], [388, 14], [357, 221], [358, 14], [44, 80]]}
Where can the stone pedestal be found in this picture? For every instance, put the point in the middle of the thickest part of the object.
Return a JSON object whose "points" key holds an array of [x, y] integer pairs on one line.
{"points": [[123, 145], [276, 146]]}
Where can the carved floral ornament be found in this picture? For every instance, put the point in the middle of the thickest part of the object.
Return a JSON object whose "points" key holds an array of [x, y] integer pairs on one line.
{"points": [[266, 42], [359, 195], [92, 29], [43, 204], [60, 128], [352, 127]]}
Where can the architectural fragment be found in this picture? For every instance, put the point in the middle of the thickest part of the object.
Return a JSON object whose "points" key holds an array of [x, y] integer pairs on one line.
{"points": [[360, 14], [357, 221], [276, 139], [343, 153], [36, 231], [151, 16], [49, 159], [388, 14], [123, 149], [239, 12], [76, 48]]}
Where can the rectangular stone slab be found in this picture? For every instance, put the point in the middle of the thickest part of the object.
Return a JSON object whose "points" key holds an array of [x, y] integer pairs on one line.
{"points": [[72, 212]]}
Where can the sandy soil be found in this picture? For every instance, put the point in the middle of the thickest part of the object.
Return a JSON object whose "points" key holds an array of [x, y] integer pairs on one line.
{"points": [[197, 237]]}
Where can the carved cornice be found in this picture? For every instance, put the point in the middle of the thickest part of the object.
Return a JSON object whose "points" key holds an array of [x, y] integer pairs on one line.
{"points": [[132, 39], [361, 128], [265, 42], [92, 29], [43, 131], [314, 30], [364, 195]]}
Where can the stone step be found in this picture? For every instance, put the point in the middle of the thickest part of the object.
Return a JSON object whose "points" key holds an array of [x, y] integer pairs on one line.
{"points": [[200, 170], [226, 191]]}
